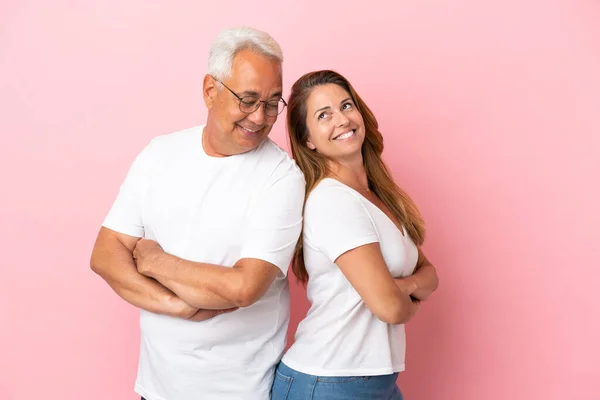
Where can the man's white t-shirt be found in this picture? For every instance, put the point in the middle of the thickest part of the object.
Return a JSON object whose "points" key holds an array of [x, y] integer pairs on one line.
{"points": [[340, 336], [213, 210]]}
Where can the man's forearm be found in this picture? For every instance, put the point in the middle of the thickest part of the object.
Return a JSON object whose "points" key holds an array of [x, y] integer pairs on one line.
{"points": [[112, 260], [201, 285]]}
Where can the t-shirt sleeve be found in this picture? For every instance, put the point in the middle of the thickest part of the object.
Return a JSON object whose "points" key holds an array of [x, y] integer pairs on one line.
{"points": [[275, 224], [125, 215], [336, 221]]}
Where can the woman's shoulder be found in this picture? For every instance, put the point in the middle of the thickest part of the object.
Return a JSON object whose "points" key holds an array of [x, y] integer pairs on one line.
{"points": [[331, 194]]}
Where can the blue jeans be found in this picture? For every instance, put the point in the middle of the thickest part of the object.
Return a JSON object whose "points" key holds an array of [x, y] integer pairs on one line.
{"points": [[290, 384]]}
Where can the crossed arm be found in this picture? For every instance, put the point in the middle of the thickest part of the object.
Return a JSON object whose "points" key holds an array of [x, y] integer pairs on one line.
{"points": [[424, 281], [388, 298], [140, 272], [203, 285], [160, 283]]}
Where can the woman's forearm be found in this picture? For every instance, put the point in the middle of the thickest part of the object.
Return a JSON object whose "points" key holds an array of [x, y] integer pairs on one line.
{"points": [[426, 281]]}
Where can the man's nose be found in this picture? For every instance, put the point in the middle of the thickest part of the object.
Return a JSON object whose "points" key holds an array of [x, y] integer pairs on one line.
{"points": [[258, 116]]}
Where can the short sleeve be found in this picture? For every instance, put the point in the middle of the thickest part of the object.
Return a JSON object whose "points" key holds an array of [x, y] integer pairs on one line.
{"points": [[336, 221], [275, 224], [125, 215]]}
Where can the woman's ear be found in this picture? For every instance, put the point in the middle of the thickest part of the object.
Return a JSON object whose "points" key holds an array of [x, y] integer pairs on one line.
{"points": [[310, 145]]}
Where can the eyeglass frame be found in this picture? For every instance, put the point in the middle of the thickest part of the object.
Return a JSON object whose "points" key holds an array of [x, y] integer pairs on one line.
{"points": [[258, 102]]}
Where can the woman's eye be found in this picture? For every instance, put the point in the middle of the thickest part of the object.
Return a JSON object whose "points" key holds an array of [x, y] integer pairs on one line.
{"points": [[321, 116], [346, 106]]}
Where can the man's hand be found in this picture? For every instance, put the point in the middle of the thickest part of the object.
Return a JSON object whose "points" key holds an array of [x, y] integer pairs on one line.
{"points": [[146, 254], [112, 259], [202, 315], [185, 311]]}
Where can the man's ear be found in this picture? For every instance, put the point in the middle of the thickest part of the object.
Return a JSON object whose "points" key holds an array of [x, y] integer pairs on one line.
{"points": [[310, 145], [209, 90]]}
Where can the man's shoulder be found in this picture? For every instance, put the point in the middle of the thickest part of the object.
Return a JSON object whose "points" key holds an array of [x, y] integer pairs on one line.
{"points": [[278, 160]]}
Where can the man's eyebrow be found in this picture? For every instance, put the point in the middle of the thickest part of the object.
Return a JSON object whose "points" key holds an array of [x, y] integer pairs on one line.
{"points": [[279, 93], [256, 94], [248, 93]]}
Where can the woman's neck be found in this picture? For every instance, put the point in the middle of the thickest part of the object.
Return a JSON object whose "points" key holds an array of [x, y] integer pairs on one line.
{"points": [[351, 173]]}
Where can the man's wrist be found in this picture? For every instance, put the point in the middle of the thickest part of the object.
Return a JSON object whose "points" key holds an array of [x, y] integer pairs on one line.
{"points": [[177, 307], [155, 266]]}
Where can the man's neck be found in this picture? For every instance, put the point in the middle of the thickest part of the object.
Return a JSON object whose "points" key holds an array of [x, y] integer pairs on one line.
{"points": [[211, 144]]}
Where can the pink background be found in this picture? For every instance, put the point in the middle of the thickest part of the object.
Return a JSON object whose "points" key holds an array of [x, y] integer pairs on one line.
{"points": [[490, 115]]}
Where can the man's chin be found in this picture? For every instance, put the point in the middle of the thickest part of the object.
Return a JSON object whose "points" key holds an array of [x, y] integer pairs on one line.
{"points": [[246, 144]]}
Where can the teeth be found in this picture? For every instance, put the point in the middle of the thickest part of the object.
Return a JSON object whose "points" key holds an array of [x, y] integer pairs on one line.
{"points": [[344, 135], [249, 130]]}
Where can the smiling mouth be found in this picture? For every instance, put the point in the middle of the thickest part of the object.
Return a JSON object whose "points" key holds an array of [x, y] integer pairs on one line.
{"points": [[248, 130], [345, 135]]}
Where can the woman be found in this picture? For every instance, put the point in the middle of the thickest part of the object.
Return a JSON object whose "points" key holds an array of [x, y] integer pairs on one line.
{"points": [[359, 253]]}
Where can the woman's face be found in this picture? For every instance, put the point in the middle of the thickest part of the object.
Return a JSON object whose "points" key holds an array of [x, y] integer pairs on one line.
{"points": [[335, 127]]}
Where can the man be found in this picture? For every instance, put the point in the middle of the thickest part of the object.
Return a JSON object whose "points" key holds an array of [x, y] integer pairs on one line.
{"points": [[220, 210]]}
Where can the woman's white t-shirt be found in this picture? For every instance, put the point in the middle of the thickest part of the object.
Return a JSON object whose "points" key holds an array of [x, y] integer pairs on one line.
{"points": [[340, 336]]}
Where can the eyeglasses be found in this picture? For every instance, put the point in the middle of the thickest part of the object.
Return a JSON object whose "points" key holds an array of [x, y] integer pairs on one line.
{"points": [[249, 104]]}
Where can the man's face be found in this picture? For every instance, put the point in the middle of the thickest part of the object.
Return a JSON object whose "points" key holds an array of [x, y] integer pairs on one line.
{"points": [[234, 130]]}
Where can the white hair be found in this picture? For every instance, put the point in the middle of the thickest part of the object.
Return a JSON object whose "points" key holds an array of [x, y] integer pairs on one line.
{"points": [[230, 41]]}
